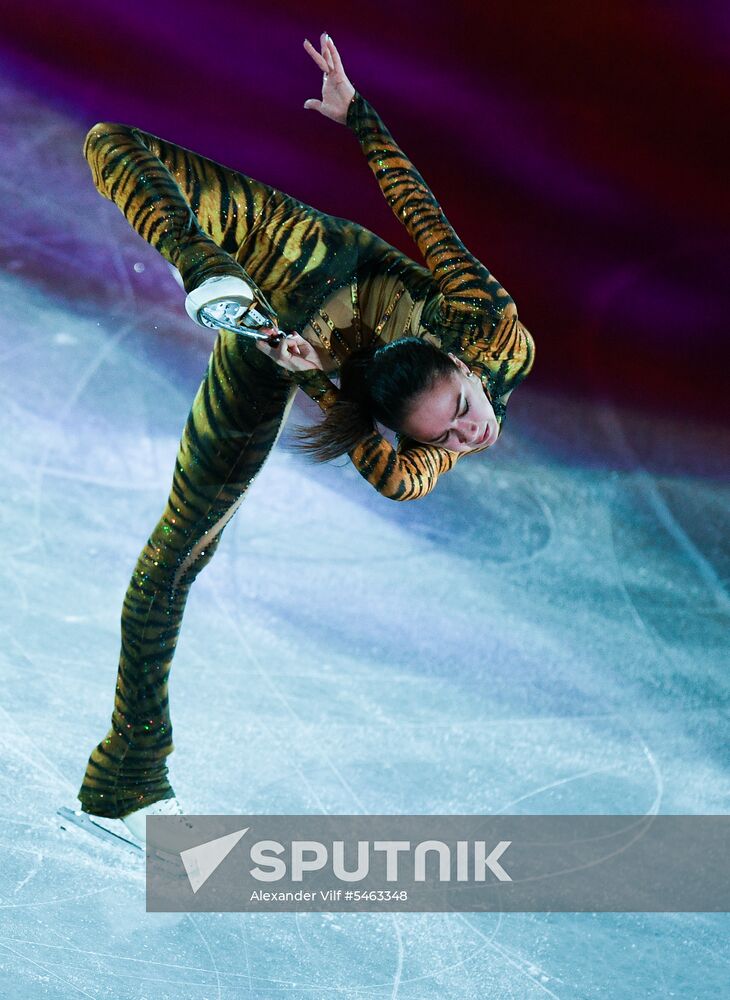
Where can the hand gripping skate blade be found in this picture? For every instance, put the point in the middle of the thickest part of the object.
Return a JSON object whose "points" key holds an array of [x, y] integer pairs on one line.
{"points": [[86, 821]]}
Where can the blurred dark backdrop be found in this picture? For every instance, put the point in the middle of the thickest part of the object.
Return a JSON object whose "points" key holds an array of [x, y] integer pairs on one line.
{"points": [[579, 149]]}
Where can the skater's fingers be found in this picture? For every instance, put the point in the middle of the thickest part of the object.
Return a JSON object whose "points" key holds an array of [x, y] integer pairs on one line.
{"points": [[335, 55], [297, 346], [271, 345], [316, 56], [312, 104], [278, 355], [280, 346], [288, 344], [292, 362], [320, 61], [324, 41]]}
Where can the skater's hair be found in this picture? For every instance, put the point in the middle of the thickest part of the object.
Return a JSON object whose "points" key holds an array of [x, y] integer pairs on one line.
{"points": [[375, 384]]}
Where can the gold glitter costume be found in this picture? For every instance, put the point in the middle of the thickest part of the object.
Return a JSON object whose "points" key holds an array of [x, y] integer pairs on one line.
{"points": [[341, 287]]}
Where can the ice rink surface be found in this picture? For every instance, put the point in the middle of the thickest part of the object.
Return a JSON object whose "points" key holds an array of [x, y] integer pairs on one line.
{"points": [[546, 633]]}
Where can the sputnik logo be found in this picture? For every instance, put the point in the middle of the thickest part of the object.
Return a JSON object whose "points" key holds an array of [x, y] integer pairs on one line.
{"points": [[201, 861]]}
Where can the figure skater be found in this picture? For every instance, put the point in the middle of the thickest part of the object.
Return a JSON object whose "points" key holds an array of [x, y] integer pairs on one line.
{"points": [[430, 352]]}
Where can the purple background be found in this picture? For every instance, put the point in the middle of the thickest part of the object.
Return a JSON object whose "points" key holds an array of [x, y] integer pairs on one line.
{"points": [[578, 149]]}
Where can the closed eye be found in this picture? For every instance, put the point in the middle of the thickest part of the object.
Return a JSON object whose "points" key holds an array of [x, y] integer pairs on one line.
{"points": [[445, 437]]}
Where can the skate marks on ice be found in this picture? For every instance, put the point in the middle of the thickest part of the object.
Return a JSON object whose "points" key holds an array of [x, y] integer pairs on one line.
{"points": [[671, 557], [48, 884], [669, 528], [57, 884], [502, 490]]}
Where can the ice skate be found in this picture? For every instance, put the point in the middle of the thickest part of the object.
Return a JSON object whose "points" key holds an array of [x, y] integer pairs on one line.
{"points": [[111, 831], [136, 823], [130, 832], [166, 844], [229, 303]]}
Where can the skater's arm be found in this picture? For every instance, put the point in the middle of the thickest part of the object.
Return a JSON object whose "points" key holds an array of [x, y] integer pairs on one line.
{"points": [[467, 287], [471, 304], [474, 316], [184, 205], [407, 472], [317, 386]]}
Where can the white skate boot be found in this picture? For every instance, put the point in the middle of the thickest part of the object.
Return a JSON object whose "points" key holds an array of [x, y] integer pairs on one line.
{"points": [[136, 823], [174, 836], [229, 303]]}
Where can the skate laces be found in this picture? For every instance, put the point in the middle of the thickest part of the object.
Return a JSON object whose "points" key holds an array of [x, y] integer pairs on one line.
{"points": [[223, 311], [164, 807]]}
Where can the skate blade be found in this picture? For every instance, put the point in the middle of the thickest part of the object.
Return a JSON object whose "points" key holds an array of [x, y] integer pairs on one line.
{"points": [[85, 821], [244, 331], [163, 861]]}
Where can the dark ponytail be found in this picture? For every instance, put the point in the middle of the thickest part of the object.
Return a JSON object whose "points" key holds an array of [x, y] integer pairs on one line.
{"points": [[375, 384]]}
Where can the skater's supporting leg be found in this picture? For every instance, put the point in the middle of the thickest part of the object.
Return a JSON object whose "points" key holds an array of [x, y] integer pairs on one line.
{"points": [[236, 418]]}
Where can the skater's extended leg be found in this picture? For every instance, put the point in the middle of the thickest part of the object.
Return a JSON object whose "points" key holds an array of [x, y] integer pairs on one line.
{"points": [[236, 418], [196, 213], [210, 221]]}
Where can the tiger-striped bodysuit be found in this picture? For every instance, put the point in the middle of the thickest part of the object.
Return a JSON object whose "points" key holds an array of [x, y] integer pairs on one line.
{"points": [[341, 287]]}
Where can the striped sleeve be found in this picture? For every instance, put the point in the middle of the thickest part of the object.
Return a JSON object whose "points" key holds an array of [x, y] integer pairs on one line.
{"points": [[505, 351], [467, 288], [407, 472], [317, 386]]}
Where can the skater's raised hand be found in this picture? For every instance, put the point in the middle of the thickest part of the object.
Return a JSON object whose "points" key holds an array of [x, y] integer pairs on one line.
{"points": [[337, 91], [289, 350]]}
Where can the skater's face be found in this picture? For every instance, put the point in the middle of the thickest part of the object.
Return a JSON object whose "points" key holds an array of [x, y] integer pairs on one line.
{"points": [[455, 413]]}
